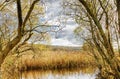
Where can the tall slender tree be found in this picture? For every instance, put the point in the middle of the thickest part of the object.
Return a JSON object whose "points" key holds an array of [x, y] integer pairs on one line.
{"points": [[101, 20], [19, 18]]}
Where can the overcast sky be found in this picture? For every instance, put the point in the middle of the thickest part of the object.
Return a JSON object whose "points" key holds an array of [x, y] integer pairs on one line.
{"points": [[54, 15]]}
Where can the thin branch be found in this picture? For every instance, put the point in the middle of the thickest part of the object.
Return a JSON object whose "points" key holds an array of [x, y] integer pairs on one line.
{"points": [[29, 12], [19, 11]]}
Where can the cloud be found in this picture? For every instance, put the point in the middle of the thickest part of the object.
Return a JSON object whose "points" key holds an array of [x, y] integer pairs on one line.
{"points": [[115, 44], [62, 42], [65, 36]]}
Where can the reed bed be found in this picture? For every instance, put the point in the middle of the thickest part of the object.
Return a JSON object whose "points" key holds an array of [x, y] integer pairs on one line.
{"points": [[50, 59]]}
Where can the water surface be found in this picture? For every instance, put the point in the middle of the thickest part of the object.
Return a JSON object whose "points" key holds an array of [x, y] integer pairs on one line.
{"points": [[60, 74]]}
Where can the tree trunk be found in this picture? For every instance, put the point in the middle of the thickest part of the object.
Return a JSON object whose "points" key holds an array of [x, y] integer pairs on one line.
{"points": [[118, 12], [8, 48], [21, 25], [109, 56], [118, 9]]}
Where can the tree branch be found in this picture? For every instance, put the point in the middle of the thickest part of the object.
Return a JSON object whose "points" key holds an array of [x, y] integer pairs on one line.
{"points": [[29, 12], [19, 11]]}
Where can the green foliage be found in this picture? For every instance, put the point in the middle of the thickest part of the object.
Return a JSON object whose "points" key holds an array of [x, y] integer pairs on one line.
{"points": [[78, 30]]}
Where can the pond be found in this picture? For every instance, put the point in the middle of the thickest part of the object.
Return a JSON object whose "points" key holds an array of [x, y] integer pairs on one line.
{"points": [[60, 74]]}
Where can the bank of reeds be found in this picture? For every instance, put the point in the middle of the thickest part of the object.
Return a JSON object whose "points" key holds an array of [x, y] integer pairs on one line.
{"points": [[55, 60], [42, 59]]}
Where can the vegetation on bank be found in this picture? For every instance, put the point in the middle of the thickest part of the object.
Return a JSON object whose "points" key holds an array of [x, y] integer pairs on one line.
{"points": [[48, 58], [56, 60], [54, 57], [45, 58]]}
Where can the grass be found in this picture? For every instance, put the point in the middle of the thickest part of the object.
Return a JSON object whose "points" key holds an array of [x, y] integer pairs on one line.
{"points": [[54, 58], [59, 59], [46, 59]]}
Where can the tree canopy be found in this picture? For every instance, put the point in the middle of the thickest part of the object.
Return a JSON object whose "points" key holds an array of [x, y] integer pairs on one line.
{"points": [[100, 21], [19, 21]]}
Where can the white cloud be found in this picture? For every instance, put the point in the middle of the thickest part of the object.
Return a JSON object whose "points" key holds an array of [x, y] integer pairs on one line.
{"points": [[64, 37], [62, 42], [115, 44], [70, 27]]}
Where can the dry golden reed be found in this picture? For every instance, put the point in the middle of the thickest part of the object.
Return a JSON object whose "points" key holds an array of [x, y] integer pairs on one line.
{"points": [[55, 60]]}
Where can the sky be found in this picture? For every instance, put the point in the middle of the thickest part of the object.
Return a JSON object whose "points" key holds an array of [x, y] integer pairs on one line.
{"points": [[65, 37], [54, 15]]}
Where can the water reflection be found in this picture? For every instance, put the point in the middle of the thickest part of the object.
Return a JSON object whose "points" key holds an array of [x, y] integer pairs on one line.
{"points": [[60, 74]]}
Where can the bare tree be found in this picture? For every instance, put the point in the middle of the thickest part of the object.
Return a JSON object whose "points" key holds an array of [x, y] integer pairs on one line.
{"points": [[100, 20], [19, 22], [118, 10]]}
